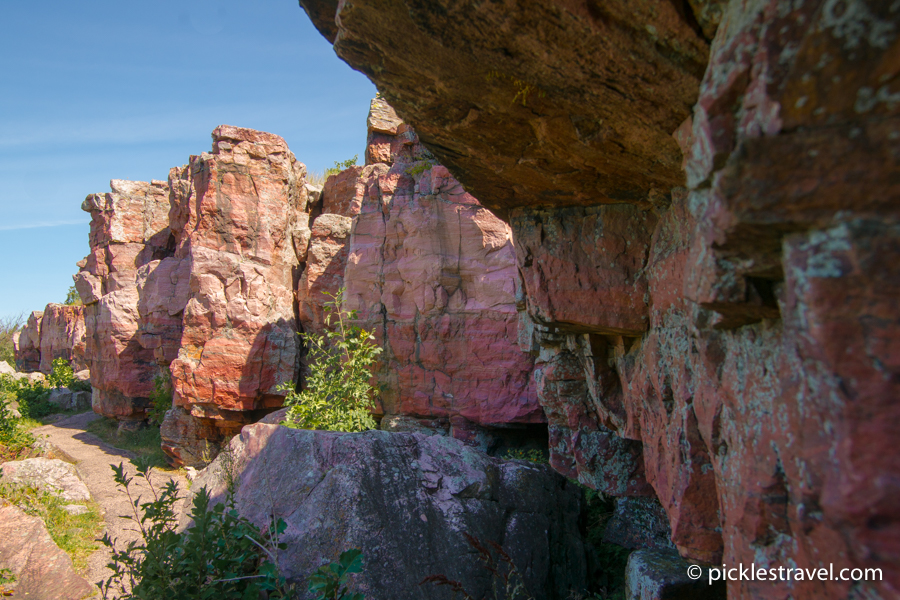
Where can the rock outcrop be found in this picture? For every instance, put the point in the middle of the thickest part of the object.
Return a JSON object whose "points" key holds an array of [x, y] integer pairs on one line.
{"points": [[193, 277], [432, 273], [406, 500], [47, 474], [714, 327], [56, 332]]}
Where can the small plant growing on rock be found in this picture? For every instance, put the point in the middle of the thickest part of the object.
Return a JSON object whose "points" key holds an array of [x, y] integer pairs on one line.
{"points": [[340, 166], [61, 374], [338, 395], [534, 455]]}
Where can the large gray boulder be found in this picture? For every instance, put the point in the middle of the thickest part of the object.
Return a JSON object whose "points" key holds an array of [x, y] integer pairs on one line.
{"points": [[406, 500]]}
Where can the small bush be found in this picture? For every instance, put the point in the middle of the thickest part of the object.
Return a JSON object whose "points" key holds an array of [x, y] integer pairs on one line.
{"points": [[61, 373], [14, 439], [222, 556], [72, 297], [338, 395], [32, 397], [340, 166]]}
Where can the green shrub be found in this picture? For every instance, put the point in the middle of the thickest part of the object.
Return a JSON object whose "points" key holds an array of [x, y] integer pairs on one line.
{"points": [[8, 327], [340, 166], [222, 556], [72, 297], [338, 395], [420, 167], [61, 373], [14, 439], [32, 397]]}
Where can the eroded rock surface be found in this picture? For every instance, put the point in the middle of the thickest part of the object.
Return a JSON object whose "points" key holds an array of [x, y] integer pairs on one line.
{"points": [[41, 569], [48, 474], [27, 344], [724, 336], [405, 500], [62, 336]]}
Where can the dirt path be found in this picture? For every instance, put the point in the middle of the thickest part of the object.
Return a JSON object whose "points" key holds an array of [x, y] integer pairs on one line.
{"points": [[92, 458]]}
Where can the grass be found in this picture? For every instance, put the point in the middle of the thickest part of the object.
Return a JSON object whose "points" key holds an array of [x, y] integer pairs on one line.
{"points": [[145, 443], [76, 535]]}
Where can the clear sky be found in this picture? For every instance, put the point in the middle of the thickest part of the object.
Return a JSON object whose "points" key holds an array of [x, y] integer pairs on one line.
{"points": [[100, 90]]}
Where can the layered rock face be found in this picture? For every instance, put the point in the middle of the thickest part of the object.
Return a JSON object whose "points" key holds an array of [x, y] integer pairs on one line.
{"points": [[721, 335], [56, 332], [406, 500], [195, 275], [432, 273]]}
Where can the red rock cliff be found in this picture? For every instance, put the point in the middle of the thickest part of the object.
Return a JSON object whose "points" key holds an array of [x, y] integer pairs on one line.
{"points": [[717, 325]]}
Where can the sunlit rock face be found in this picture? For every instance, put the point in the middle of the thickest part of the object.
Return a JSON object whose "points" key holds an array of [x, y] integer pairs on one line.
{"points": [[194, 276], [62, 336], [724, 316], [27, 344], [234, 212], [432, 273]]}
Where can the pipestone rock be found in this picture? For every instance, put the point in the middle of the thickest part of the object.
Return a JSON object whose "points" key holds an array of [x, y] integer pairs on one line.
{"points": [[62, 336], [40, 568], [738, 332], [51, 475], [346, 487], [27, 344]]}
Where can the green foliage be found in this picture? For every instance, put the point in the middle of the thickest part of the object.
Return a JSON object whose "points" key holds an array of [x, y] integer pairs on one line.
{"points": [[420, 167], [161, 396], [222, 556], [330, 582], [8, 327], [340, 166], [612, 559], [14, 439], [72, 297], [61, 373], [6, 577], [338, 395], [32, 397], [74, 534], [534, 455], [508, 583]]}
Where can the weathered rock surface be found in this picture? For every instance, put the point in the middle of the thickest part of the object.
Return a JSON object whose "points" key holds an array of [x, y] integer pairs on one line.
{"points": [[41, 569], [405, 500], [729, 343], [67, 399], [27, 344], [62, 336], [48, 474], [473, 78], [432, 273]]}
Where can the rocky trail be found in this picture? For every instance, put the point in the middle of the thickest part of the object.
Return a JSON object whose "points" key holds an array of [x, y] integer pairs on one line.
{"points": [[92, 458]]}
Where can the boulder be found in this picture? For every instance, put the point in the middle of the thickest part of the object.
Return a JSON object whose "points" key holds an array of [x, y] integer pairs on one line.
{"points": [[663, 575], [406, 500], [67, 399], [48, 474], [41, 569], [5, 369]]}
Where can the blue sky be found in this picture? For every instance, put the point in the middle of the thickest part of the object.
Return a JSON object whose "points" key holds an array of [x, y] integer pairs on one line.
{"points": [[100, 90]]}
